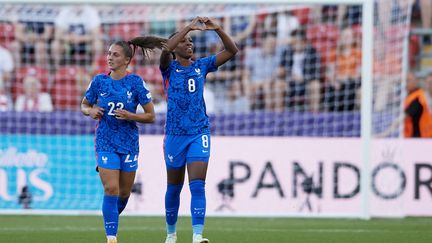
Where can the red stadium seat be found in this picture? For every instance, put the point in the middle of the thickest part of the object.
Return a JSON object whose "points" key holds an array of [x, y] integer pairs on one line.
{"points": [[396, 32], [302, 15], [40, 73], [414, 50], [324, 38], [68, 73], [65, 96], [150, 74], [125, 31], [357, 29], [322, 31], [7, 33], [65, 91], [100, 65]]}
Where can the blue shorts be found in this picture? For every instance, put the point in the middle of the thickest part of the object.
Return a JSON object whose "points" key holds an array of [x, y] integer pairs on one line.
{"points": [[116, 161], [179, 150]]}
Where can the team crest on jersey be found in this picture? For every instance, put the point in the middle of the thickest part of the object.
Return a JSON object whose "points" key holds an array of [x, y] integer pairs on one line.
{"points": [[129, 96]]}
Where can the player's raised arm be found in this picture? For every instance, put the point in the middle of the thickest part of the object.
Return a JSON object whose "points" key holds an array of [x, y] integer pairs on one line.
{"points": [[175, 39], [230, 48]]}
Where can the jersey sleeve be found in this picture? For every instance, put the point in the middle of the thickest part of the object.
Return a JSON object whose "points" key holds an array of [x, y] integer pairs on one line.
{"points": [[210, 63], [165, 73], [91, 93], [144, 95]]}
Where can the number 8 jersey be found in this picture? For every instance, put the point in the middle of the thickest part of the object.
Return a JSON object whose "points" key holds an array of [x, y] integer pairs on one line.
{"points": [[112, 134], [184, 87]]}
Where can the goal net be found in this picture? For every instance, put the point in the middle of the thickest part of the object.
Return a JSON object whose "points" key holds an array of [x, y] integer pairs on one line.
{"points": [[291, 99]]}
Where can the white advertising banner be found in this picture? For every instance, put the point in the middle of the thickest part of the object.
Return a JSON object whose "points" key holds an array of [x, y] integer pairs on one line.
{"points": [[276, 176]]}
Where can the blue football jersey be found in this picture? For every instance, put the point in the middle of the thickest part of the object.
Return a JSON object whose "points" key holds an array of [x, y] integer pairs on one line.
{"points": [[184, 87], [112, 134]]}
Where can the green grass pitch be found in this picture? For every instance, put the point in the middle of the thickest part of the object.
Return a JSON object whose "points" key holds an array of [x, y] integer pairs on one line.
{"points": [[141, 229]]}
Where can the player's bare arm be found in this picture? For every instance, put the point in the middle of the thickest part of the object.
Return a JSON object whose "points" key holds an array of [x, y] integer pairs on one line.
{"points": [[147, 117], [88, 109], [230, 48]]}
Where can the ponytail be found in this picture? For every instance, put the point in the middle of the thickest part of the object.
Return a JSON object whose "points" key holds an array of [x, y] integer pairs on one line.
{"points": [[147, 43]]}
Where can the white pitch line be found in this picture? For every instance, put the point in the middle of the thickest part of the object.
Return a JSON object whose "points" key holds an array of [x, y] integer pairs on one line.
{"points": [[76, 229], [144, 228]]}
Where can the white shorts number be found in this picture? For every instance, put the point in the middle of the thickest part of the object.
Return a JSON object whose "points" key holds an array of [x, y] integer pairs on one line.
{"points": [[205, 141]]}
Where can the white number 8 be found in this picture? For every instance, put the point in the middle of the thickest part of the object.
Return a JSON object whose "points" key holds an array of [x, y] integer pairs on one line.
{"points": [[205, 141], [191, 84]]}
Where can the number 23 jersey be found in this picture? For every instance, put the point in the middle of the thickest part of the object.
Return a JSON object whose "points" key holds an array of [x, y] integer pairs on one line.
{"points": [[112, 134]]}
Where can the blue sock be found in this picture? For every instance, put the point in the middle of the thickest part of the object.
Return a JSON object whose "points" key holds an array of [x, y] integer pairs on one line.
{"points": [[110, 214], [121, 204], [198, 229], [198, 205], [172, 203]]}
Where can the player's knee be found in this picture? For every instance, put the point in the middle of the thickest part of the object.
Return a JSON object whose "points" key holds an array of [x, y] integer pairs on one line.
{"points": [[124, 194], [111, 190], [197, 187], [174, 189]]}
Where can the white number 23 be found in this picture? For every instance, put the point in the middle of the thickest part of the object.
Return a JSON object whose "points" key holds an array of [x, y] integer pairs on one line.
{"points": [[114, 106]]}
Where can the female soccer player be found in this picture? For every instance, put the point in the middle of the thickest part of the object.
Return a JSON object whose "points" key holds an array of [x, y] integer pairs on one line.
{"points": [[187, 140], [112, 98]]}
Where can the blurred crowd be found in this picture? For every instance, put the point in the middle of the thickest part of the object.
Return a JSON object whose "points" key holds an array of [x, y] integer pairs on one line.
{"points": [[304, 58]]}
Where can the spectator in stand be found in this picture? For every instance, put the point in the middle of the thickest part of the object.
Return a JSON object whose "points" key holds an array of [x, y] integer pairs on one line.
{"points": [[342, 15], [343, 74], [31, 42], [5, 99], [428, 89], [260, 73], [77, 32], [425, 8], [416, 117], [6, 68], [210, 100], [158, 96], [418, 120], [282, 23], [33, 99], [82, 79], [300, 74], [236, 100], [218, 83], [240, 28], [387, 71]]}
